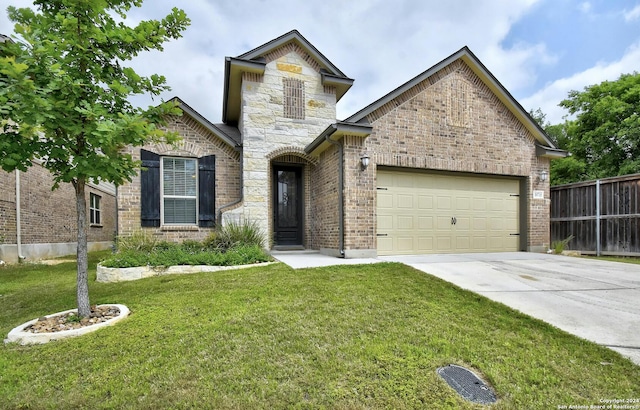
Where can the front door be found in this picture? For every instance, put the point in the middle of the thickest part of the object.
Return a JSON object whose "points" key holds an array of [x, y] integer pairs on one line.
{"points": [[288, 221]]}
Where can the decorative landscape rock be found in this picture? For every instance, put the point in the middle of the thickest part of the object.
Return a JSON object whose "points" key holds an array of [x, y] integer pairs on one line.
{"points": [[124, 274], [58, 326]]}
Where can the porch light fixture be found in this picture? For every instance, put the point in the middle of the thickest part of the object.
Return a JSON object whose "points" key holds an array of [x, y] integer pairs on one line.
{"points": [[543, 175], [364, 161]]}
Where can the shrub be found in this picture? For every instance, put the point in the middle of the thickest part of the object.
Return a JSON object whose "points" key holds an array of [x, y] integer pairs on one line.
{"points": [[233, 234], [138, 241], [558, 246], [178, 255]]}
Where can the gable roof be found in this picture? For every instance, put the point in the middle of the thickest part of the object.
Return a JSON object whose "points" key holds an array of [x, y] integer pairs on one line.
{"points": [[489, 80], [228, 134], [253, 61]]}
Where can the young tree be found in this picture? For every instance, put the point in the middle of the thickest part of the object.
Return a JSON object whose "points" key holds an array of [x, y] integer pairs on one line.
{"points": [[606, 132], [64, 94]]}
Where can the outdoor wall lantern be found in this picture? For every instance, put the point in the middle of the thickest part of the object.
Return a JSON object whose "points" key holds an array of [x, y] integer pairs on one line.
{"points": [[543, 175], [364, 161]]}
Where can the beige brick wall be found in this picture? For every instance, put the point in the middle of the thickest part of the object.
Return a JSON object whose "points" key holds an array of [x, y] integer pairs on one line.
{"points": [[451, 121], [324, 201], [49, 217], [196, 141]]}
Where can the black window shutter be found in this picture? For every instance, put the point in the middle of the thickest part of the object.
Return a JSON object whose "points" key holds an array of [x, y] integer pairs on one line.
{"points": [[207, 191], [150, 189]]}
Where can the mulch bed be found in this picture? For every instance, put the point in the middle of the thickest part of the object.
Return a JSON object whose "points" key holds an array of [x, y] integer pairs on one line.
{"points": [[68, 321]]}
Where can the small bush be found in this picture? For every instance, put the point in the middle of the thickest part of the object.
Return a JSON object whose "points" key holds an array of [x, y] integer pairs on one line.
{"points": [[236, 243], [558, 246], [178, 255], [233, 234], [138, 241]]}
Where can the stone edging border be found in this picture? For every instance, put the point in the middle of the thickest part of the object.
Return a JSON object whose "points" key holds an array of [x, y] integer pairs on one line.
{"points": [[104, 274], [19, 335]]}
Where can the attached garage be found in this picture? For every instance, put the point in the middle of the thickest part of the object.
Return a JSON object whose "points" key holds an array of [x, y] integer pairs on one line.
{"points": [[420, 213]]}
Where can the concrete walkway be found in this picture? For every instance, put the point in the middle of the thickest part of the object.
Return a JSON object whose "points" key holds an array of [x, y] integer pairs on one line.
{"points": [[314, 259], [596, 300]]}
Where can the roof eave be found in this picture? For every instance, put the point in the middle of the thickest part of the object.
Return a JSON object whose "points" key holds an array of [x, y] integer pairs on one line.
{"points": [[206, 123], [549, 152], [483, 73], [233, 69], [293, 35], [335, 132], [342, 84]]}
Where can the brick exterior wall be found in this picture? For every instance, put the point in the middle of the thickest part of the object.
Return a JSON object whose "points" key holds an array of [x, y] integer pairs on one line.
{"points": [[324, 201], [197, 141], [49, 217], [416, 131]]}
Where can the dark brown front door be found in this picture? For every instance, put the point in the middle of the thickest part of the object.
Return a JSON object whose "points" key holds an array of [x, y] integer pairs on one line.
{"points": [[287, 207]]}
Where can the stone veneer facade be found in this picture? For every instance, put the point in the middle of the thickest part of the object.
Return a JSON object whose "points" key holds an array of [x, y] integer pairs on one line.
{"points": [[268, 137]]}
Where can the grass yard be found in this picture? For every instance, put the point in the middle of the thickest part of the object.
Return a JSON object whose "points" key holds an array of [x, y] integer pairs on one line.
{"points": [[623, 259], [349, 337]]}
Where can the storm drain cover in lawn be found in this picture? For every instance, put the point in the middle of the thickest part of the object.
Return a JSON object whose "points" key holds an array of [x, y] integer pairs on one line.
{"points": [[467, 384]]}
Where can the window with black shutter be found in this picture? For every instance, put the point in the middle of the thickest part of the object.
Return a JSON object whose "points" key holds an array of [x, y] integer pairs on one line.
{"points": [[150, 189], [185, 195], [206, 191]]}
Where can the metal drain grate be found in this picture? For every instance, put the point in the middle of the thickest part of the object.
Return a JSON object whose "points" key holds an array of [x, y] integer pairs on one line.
{"points": [[467, 384]]}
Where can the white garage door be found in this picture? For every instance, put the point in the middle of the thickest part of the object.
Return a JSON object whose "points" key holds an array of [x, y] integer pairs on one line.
{"points": [[420, 213]]}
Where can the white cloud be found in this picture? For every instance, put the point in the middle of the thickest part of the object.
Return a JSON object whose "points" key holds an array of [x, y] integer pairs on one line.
{"points": [[585, 7], [548, 97], [633, 14]]}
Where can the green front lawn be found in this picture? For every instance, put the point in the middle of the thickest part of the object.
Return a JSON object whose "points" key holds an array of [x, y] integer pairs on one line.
{"points": [[349, 337]]}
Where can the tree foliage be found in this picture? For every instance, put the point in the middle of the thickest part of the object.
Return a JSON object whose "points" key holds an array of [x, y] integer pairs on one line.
{"points": [[64, 95], [604, 137]]}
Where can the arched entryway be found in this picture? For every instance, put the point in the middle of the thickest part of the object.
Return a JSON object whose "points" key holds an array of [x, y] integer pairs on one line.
{"points": [[290, 172]]}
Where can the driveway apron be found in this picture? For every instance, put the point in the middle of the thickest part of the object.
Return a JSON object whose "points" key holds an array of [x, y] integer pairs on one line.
{"points": [[596, 300]]}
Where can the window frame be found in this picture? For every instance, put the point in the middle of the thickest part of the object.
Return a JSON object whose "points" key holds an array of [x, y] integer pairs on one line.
{"points": [[95, 210], [294, 98], [196, 197]]}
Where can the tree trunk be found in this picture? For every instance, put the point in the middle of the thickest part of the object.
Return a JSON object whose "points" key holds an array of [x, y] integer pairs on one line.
{"points": [[82, 290]]}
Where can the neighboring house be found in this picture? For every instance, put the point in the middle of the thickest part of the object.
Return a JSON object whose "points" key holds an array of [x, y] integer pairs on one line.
{"points": [[38, 223], [447, 162]]}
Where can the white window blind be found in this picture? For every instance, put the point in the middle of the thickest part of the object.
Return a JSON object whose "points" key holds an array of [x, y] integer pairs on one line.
{"points": [[179, 190]]}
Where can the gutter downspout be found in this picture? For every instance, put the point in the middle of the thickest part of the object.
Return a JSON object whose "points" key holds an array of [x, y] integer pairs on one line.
{"points": [[340, 194], [236, 202], [18, 221]]}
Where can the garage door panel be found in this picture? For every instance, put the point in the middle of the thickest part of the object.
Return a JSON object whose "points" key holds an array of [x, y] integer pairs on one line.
{"points": [[405, 222], [385, 200], [425, 222], [435, 213], [444, 202], [385, 222], [425, 202], [405, 243], [404, 201], [444, 223]]}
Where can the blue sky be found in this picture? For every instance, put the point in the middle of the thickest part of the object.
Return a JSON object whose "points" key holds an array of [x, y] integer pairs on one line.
{"points": [[538, 49]]}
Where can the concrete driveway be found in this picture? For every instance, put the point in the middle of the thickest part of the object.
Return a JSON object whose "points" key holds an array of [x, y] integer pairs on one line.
{"points": [[596, 300]]}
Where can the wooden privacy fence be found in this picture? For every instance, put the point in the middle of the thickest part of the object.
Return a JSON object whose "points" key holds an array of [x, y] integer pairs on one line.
{"points": [[603, 215]]}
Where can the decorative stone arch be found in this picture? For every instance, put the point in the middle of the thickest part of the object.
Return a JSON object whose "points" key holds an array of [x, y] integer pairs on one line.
{"points": [[291, 152]]}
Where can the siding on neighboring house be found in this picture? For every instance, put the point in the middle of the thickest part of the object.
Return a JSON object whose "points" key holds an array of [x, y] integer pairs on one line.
{"points": [[48, 218]]}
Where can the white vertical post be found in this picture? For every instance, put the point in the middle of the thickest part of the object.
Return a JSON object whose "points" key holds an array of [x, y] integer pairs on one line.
{"points": [[598, 250]]}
